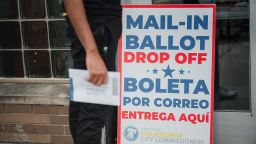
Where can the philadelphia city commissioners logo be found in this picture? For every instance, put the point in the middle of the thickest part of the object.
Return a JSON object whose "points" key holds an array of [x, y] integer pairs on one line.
{"points": [[131, 133]]}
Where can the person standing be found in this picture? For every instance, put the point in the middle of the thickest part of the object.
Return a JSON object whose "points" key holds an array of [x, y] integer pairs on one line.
{"points": [[94, 27]]}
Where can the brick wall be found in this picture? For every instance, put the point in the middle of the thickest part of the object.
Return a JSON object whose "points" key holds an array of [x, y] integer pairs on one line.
{"points": [[33, 123]]}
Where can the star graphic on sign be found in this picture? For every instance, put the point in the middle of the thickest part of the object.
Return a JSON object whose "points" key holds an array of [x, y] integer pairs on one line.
{"points": [[168, 71], [155, 71], [181, 71]]}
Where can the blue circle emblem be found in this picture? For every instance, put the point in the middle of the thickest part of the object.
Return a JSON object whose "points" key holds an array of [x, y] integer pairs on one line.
{"points": [[131, 133]]}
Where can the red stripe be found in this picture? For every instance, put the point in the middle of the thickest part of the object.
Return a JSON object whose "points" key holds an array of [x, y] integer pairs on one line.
{"points": [[121, 81], [212, 77]]}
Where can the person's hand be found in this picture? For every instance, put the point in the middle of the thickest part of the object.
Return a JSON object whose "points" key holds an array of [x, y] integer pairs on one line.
{"points": [[98, 74]]}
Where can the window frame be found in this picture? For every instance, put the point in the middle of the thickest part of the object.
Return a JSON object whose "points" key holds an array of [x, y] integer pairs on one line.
{"points": [[48, 19]]}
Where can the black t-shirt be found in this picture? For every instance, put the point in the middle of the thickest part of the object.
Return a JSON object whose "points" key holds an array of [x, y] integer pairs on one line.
{"points": [[96, 8], [104, 14], [98, 11]]}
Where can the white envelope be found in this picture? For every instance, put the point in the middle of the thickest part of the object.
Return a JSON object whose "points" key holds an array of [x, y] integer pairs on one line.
{"points": [[83, 91]]}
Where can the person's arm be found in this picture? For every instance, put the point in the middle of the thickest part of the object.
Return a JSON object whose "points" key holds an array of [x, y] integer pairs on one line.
{"points": [[94, 62]]}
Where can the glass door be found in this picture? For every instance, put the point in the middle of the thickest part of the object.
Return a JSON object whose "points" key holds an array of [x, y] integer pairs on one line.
{"points": [[235, 121]]}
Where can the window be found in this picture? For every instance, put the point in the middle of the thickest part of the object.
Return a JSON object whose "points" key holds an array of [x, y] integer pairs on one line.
{"points": [[33, 43]]}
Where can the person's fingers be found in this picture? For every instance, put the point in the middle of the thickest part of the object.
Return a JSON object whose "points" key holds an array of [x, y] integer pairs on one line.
{"points": [[89, 78], [104, 78], [105, 81], [96, 79], [99, 81]]}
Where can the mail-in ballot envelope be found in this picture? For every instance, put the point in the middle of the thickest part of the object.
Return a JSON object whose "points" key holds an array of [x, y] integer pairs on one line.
{"points": [[83, 91]]}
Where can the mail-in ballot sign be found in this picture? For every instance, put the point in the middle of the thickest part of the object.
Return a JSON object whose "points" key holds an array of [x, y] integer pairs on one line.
{"points": [[167, 74]]}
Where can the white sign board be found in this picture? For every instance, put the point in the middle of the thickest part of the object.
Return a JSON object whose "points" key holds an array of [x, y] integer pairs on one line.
{"points": [[167, 74]]}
